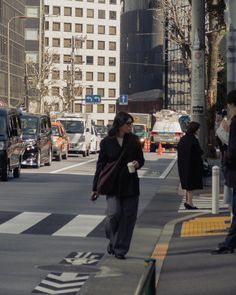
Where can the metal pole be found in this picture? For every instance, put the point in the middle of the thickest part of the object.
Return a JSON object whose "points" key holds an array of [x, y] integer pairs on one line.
{"points": [[72, 74], [215, 189], [166, 98], [8, 65], [198, 104]]}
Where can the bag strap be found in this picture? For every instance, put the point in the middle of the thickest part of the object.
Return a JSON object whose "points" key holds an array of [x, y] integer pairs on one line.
{"points": [[124, 151]]}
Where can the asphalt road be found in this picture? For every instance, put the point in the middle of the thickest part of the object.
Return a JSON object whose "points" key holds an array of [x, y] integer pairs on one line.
{"points": [[47, 219]]}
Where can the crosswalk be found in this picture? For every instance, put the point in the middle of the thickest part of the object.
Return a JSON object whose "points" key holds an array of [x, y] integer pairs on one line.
{"points": [[43, 223], [203, 203]]}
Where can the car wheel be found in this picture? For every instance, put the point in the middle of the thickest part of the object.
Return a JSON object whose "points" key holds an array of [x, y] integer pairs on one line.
{"points": [[38, 163], [59, 157], [49, 163], [65, 156], [84, 153], [17, 170], [5, 173]]}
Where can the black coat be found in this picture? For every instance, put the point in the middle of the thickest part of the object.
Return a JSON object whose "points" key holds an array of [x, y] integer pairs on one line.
{"points": [[190, 164], [110, 150], [230, 158]]}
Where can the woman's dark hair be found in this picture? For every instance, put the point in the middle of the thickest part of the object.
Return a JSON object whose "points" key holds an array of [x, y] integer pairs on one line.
{"points": [[231, 97], [193, 127], [120, 119]]}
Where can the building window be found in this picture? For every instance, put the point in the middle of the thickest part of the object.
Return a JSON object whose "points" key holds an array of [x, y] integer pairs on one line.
{"points": [[67, 43], [90, 0], [78, 91], [55, 91], [89, 60], [55, 75], [79, 12], [46, 25], [46, 41], [55, 42], [101, 30], [112, 45], [56, 58], [112, 14], [32, 57], [78, 43], [67, 11], [89, 76], [101, 76], [112, 77], [100, 122], [89, 91], [90, 29], [111, 108], [100, 108], [89, 44], [31, 34], [78, 75], [112, 1], [66, 59], [112, 30], [78, 107], [66, 75], [101, 91], [46, 9], [111, 92], [101, 45], [78, 28], [56, 10], [90, 13], [101, 14], [112, 61], [89, 108], [32, 11], [101, 60], [101, 1], [78, 59], [67, 27], [56, 26]]}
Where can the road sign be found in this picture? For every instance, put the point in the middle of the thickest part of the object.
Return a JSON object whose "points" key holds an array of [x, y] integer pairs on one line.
{"points": [[92, 98], [123, 99]]}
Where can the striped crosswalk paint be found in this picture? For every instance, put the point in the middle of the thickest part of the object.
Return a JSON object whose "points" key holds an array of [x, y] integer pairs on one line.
{"points": [[49, 223]]}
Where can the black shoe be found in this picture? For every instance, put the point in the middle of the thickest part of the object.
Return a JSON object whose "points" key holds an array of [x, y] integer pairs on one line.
{"points": [[110, 249], [120, 256], [223, 250], [189, 207]]}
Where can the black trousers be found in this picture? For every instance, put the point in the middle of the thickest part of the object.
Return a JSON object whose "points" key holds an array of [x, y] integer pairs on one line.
{"points": [[120, 222], [231, 237]]}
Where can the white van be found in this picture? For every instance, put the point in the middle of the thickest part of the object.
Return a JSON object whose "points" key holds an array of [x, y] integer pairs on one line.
{"points": [[78, 127]]}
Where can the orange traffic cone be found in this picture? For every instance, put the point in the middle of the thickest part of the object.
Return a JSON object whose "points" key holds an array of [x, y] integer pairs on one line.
{"points": [[159, 150]]}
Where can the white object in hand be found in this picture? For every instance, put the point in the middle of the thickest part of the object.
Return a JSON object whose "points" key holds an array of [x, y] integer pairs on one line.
{"points": [[131, 167]]}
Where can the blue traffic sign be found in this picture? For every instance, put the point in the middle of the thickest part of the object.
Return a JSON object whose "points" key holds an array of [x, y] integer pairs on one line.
{"points": [[123, 99], [92, 98]]}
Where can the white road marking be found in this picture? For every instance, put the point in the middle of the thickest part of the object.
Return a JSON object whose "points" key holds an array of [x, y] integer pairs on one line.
{"points": [[80, 226], [21, 222], [168, 169], [72, 166]]}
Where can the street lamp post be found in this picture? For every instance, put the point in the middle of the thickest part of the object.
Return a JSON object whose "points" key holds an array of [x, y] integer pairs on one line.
{"points": [[8, 57]]}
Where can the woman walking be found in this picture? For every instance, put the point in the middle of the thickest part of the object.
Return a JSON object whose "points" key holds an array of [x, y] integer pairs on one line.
{"points": [[190, 163], [122, 202]]}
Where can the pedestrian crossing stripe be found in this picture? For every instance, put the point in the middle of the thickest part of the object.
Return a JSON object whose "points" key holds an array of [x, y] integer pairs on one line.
{"points": [[204, 204], [68, 282], [49, 223]]}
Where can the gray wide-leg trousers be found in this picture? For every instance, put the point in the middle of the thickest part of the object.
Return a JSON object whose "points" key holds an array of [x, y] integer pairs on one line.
{"points": [[120, 222]]}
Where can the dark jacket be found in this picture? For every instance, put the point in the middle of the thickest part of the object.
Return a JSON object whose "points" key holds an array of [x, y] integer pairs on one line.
{"points": [[110, 150], [230, 157], [190, 162]]}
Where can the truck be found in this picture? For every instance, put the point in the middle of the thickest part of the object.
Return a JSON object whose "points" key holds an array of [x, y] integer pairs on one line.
{"points": [[78, 127], [142, 125]]}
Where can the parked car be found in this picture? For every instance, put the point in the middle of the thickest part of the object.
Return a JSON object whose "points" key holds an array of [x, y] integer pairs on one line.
{"points": [[61, 141], [11, 143], [37, 135], [101, 130], [95, 140]]}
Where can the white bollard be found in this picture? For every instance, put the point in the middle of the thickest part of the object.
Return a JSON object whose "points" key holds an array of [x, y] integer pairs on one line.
{"points": [[215, 189]]}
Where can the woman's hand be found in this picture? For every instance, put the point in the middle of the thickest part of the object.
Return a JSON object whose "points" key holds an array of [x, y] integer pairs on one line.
{"points": [[136, 164], [94, 196]]}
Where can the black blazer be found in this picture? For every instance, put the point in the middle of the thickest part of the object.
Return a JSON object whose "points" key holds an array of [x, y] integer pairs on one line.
{"points": [[230, 159], [110, 150]]}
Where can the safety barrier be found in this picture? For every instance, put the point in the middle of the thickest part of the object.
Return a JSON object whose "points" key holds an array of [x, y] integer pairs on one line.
{"points": [[215, 189], [147, 283], [147, 144]]}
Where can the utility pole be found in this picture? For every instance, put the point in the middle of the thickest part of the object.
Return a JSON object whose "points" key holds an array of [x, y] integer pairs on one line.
{"points": [[72, 75], [230, 21], [198, 103]]}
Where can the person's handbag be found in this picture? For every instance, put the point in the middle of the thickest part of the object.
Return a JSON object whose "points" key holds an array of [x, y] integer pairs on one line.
{"points": [[108, 176]]}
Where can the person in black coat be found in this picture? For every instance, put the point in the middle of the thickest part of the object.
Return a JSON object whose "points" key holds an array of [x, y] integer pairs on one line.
{"points": [[229, 245], [122, 202], [190, 165]]}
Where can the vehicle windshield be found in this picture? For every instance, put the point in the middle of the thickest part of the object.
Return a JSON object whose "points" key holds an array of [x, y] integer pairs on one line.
{"points": [[101, 129], [55, 131], [2, 126], [139, 129], [29, 125], [183, 121], [72, 126]]}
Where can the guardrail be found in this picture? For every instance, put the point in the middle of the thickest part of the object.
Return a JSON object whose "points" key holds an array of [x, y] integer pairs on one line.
{"points": [[147, 283]]}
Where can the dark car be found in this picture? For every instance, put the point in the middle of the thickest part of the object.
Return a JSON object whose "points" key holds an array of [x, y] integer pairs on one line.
{"points": [[37, 135], [11, 143]]}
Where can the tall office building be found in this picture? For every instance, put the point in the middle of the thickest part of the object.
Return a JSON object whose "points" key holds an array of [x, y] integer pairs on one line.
{"points": [[84, 38], [8, 11]]}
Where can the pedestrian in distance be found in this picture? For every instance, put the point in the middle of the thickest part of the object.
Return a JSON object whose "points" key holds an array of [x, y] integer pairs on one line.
{"points": [[123, 198], [229, 244], [190, 164]]}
